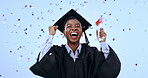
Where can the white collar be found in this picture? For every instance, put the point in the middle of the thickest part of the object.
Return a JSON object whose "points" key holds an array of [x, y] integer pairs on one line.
{"points": [[70, 50], [75, 54]]}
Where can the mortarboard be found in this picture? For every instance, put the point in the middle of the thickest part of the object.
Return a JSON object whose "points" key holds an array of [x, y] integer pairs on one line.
{"points": [[73, 14]]}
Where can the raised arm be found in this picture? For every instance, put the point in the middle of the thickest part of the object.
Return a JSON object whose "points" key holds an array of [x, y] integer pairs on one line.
{"points": [[112, 65], [102, 40], [47, 45]]}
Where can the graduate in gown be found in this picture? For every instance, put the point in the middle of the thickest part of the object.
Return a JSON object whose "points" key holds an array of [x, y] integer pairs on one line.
{"points": [[74, 59]]}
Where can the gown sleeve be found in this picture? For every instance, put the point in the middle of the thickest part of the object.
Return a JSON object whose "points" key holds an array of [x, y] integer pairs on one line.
{"points": [[110, 67], [47, 66]]}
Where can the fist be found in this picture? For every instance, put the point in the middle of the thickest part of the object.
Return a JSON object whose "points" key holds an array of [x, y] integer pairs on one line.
{"points": [[52, 30], [102, 33]]}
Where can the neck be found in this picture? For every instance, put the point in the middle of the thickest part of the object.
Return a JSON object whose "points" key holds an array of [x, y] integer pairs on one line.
{"points": [[73, 46]]}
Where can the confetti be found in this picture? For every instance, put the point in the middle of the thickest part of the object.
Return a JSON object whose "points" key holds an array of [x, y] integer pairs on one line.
{"points": [[25, 29], [30, 6], [110, 26], [20, 46], [21, 56], [16, 70], [14, 25], [32, 14], [123, 29], [10, 51], [109, 14], [63, 36], [136, 64], [136, 2], [82, 4], [105, 20], [42, 18], [31, 53], [50, 53], [135, 70], [60, 8], [38, 18], [113, 39], [25, 6], [50, 11], [40, 35], [17, 48], [11, 31], [42, 30], [28, 58], [30, 25], [25, 33], [70, 2], [99, 21], [56, 4], [90, 34], [117, 20], [19, 19], [50, 4], [85, 2]]}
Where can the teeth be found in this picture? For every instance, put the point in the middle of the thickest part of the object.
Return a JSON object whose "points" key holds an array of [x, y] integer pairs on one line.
{"points": [[73, 34]]}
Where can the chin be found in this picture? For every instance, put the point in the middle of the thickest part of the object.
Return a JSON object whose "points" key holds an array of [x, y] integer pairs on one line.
{"points": [[74, 42]]}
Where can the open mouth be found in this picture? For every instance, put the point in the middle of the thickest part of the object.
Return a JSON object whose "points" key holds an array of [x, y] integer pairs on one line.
{"points": [[74, 34]]}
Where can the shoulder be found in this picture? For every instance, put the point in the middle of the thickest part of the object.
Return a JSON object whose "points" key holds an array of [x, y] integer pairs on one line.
{"points": [[90, 48], [57, 47], [93, 52]]}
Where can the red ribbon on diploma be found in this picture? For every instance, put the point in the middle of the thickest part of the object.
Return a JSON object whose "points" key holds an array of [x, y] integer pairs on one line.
{"points": [[99, 21]]}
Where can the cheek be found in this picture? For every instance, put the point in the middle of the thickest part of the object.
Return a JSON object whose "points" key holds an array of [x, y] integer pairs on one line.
{"points": [[65, 32], [81, 31]]}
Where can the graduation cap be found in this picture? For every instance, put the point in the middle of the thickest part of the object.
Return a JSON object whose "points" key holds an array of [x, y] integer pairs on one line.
{"points": [[72, 14]]}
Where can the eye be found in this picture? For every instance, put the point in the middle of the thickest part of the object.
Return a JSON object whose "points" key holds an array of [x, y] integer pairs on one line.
{"points": [[69, 26], [78, 26]]}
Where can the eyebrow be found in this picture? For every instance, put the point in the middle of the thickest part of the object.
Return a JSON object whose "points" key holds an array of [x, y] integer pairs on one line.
{"points": [[69, 24], [77, 24]]}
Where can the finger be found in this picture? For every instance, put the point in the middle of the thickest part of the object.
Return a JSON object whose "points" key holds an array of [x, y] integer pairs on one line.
{"points": [[49, 27], [55, 27]]}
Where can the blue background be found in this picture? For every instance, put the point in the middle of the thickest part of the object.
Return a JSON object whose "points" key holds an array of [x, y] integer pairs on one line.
{"points": [[24, 27]]}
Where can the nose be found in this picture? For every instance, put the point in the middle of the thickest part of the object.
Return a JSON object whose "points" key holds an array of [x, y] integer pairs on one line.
{"points": [[73, 29]]}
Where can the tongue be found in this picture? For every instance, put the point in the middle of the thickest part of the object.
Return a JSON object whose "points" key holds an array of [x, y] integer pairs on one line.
{"points": [[73, 36]]}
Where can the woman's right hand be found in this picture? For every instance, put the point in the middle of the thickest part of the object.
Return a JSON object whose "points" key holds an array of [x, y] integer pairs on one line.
{"points": [[52, 30]]}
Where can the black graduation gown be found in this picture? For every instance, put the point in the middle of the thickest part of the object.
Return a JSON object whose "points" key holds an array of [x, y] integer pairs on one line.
{"points": [[57, 63]]}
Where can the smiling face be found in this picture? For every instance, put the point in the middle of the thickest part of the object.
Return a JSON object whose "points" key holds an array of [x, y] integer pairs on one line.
{"points": [[73, 31]]}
